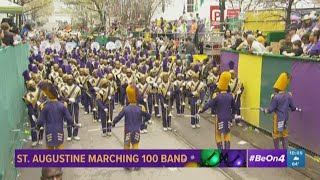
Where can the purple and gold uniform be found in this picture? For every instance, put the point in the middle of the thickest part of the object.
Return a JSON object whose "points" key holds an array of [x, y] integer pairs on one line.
{"points": [[281, 103], [144, 89], [71, 94], [236, 89], [105, 99], [32, 100], [196, 92], [166, 94], [53, 112], [133, 114], [153, 95], [223, 103]]}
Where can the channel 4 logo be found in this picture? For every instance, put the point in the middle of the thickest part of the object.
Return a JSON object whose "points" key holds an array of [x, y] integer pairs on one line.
{"points": [[296, 158]]}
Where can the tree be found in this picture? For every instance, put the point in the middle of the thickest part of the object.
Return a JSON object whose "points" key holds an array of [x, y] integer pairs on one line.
{"points": [[96, 6], [38, 10], [151, 6]]}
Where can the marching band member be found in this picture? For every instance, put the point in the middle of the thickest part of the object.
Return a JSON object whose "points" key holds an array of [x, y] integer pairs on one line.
{"points": [[104, 100], [212, 81], [133, 114], [86, 93], [236, 89], [144, 89], [71, 94], [116, 72], [165, 94], [281, 104], [153, 95], [179, 88], [223, 103], [122, 78], [195, 91], [33, 99], [52, 114]]}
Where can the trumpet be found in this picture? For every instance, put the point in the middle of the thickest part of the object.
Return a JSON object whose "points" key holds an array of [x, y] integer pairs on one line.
{"points": [[109, 103], [169, 107]]}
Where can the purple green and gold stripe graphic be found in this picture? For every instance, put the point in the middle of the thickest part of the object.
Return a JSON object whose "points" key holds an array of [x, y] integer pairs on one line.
{"points": [[258, 74]]}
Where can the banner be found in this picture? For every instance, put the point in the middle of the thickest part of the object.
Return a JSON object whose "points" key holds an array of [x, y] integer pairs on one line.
{"points": [[215, 15], [131, 158], [160, 158]]}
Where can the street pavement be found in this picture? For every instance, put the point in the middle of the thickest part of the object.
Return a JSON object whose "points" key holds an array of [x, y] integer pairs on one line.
{"points": [[183, 137]]}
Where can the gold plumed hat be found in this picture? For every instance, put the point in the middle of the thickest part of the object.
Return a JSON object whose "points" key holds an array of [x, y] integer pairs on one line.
{"points": [[224, 80], [132, 93], [282, 82]]}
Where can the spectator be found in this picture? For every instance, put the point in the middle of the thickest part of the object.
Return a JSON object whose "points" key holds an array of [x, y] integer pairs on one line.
{"points": [[293, 34], [297, 49], [193, 27], [190, 47], [286, 45], [7, 37], [260, 38], [16, 37], [244, 45], [314, 47], [201, 45], [305, 42], [25, 31], [254, 46], [307, 25], [317, 25], [228, 39], [238, 41], [51, 174]]}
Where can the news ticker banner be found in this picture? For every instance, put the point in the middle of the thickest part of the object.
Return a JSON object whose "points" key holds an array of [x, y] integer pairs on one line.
{"points": [[26, 158]]}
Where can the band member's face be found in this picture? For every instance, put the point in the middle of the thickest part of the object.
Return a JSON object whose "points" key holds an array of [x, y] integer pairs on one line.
{"points": [[117, 66], [55, 68], [95, 75], [180, 78], [129, 74], [70, 82], [195, 79], [165, 79], [143, 80], [32, 87]]}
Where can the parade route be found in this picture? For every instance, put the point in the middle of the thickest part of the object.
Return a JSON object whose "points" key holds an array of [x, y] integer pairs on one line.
{"points": [[183, 137]]}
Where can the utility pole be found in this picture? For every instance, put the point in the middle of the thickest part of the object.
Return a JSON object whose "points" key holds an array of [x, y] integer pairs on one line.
{"points": [[222, 7]]}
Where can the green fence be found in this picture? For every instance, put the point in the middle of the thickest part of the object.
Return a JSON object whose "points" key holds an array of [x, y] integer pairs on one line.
{"points": [[13, 113]]}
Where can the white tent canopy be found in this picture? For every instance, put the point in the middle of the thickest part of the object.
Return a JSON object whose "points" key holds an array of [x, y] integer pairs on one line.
{"points": [[10, 7]]}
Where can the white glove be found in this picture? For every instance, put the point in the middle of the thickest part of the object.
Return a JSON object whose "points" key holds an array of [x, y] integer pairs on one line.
{"points": [[109, 97], [184, 84], [38, 103], [80, 85], [145, 100], [181, 89], [72, 100], [165, 106], [155, 84], [96, 88], [237, 116], [106, 110], [297, 109], [195, 93], [34, 118], [199, 101], [169, 93], [239, 91]]}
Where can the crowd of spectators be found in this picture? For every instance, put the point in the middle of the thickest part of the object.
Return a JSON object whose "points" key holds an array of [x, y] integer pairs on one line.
{"points": [[302, 39]]}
